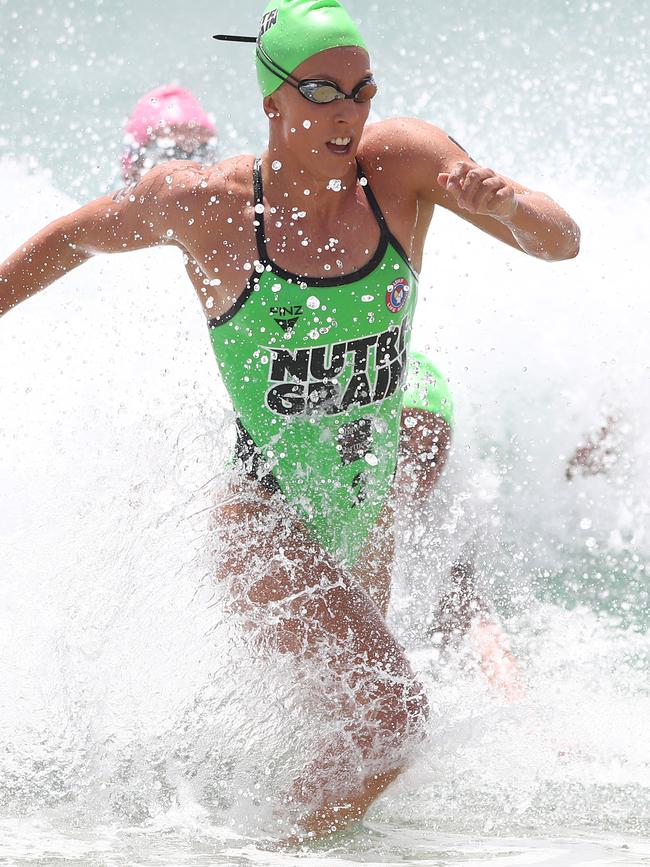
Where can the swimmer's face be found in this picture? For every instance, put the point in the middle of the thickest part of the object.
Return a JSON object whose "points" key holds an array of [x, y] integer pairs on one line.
{"points": [[185, 137], [310, 130], [171, 142]]}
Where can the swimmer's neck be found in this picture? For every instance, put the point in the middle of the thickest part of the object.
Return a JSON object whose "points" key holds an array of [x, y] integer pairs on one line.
{"points": [[289, 185]]}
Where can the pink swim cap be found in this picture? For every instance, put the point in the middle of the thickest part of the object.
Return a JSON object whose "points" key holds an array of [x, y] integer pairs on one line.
{"points": [[166, 106]]}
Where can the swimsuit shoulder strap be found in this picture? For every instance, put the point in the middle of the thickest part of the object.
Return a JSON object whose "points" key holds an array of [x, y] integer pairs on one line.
{"points": [[372, 200], [381, 220], [258, 222]]}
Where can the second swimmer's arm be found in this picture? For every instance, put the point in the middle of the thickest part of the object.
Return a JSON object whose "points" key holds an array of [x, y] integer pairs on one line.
{"points": [[110, 224]]}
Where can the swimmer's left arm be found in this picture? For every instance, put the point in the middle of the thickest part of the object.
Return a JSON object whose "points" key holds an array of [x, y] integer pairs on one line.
{"points": [[446, 175]]}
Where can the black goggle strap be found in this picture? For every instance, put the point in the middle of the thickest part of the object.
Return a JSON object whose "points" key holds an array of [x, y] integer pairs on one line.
{"points": [[263, 57], [227, 37], [275, 69]]}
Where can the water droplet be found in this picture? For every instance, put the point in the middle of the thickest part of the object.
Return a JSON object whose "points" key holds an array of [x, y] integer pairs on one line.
{"points": [[306, 124], [367, 297], [259, 208], [313, 302], [335, 185], [371, 460], [276, 165]]}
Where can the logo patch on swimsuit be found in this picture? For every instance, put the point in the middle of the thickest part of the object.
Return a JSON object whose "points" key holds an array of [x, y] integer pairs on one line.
{"points": [[396, 294], [286, 317]]}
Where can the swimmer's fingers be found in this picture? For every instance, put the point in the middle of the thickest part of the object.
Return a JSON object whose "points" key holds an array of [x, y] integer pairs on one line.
{"points": [[503, 203], [453, 181], [479, 190], [495, 196], [474, 188]]}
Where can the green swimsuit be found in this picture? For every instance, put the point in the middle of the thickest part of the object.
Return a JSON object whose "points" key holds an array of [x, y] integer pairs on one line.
{"points": [[315, 368]]}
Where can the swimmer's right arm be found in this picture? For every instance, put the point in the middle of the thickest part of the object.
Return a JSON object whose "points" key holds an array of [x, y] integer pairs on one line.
{"points": [[140, 216]]}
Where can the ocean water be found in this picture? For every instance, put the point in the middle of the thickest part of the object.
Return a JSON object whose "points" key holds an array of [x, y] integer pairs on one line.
{"points": [[136, 728]]}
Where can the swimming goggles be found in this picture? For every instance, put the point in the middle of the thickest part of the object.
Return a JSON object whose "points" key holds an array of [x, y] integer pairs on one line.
{"points": [[161, 150], [318, 90]]}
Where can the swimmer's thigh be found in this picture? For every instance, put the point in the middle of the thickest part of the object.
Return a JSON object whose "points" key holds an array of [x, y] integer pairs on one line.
{"points": [[295, 595]]}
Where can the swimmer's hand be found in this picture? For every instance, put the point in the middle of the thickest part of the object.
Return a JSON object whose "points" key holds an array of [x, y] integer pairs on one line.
{"points": [[480, 191], [503, 208]]}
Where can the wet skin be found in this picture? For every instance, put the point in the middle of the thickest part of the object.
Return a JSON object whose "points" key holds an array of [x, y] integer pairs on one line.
{"points": [[208, 212]]}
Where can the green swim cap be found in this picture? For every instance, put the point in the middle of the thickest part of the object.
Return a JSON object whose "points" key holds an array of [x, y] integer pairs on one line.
{"points": [[426, 388], [292, 31]]}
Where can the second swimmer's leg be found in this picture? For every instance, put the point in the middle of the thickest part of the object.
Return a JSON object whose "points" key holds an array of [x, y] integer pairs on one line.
{"points": [[321, 614]]}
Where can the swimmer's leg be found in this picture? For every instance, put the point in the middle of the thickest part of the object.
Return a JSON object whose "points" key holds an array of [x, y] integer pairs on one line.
{"points": [[373, 568], [299, 601]]}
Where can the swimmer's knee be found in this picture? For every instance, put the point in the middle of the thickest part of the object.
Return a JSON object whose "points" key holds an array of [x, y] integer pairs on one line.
{"points": [[411, 710], [396, 721]]}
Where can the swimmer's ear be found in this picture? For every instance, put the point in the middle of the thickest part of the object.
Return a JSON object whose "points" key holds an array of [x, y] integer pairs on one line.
{"points": [[270, 107]]}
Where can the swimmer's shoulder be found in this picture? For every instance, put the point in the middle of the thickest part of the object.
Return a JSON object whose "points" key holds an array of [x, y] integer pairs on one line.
{"points": [[398, 138], [191, 184], [404, 153], [181, 200]]}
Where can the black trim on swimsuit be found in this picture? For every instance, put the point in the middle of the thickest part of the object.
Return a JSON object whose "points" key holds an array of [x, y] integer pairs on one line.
{"points": [[386, 237], [239, 303], [304, 280], [379, 215]]}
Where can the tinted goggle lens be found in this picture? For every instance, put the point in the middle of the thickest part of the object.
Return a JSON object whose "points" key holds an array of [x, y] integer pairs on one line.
{"points": [[323, 92]]}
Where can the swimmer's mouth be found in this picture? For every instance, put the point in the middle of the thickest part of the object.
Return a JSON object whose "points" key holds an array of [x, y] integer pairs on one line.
{"points": [[341, 145]]}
